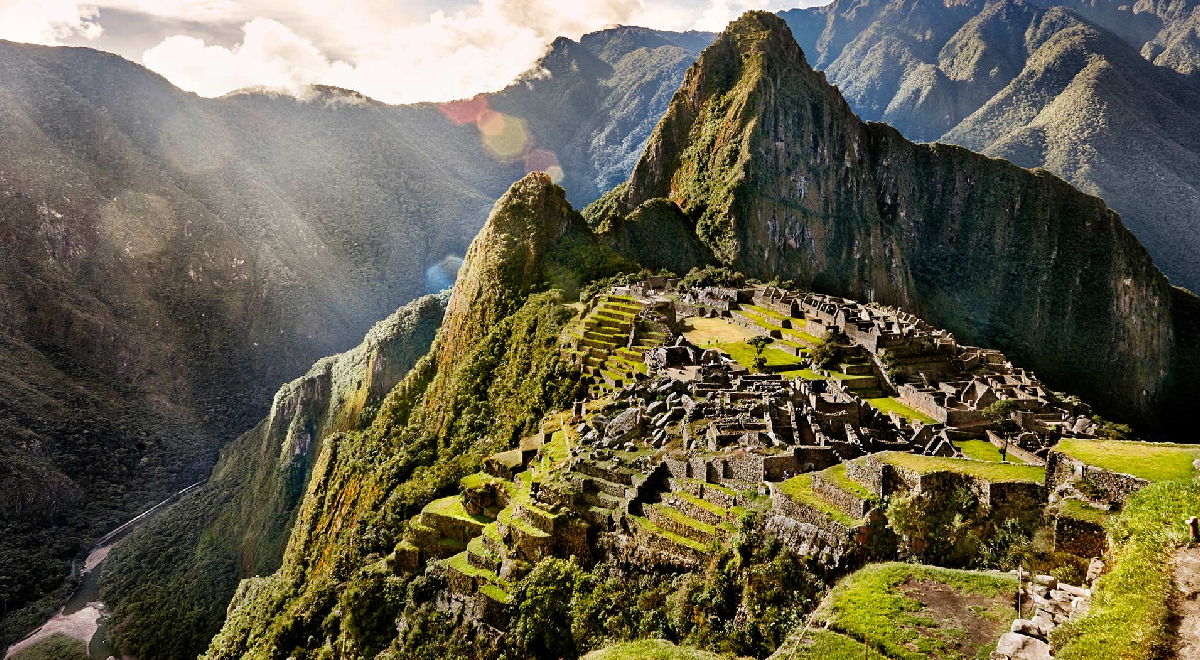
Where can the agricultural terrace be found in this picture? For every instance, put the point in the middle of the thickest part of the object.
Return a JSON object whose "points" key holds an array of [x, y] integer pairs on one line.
{"points": [[1151, 461]]}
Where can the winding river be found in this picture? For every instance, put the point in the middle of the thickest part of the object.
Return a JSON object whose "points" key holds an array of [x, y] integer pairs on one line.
{"points": [[82, 617]]}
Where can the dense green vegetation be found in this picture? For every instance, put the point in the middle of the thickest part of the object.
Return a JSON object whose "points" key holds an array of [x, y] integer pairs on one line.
{"points": [[54, 647], [1130, 614]]}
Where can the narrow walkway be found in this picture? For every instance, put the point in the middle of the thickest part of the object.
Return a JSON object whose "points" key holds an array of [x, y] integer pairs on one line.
{"points": [[1185, 566]]}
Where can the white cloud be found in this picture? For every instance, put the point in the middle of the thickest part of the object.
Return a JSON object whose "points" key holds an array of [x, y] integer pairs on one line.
{"points": [[381, 48], [270, 55], [47, 22]]}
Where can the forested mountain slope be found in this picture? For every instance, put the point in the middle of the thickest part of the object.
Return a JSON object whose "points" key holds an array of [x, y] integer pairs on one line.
{"points": [[167, 261], [1037, 84]]}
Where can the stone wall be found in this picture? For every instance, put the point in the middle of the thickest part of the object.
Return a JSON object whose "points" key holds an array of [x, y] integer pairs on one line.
{"points": [[1113, 486], [854, 505]]}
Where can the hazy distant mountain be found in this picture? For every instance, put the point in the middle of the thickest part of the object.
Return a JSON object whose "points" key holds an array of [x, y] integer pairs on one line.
{"points": [[1041, 86], [167, 261]]}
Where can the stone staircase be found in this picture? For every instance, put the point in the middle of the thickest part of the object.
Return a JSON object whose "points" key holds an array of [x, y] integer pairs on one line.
{"points": [[601, 343], [687, 519]]}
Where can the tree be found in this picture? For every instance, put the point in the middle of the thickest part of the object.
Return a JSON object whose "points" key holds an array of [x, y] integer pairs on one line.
{"points": [[1000, 413], [759, 344], [828, 352]]}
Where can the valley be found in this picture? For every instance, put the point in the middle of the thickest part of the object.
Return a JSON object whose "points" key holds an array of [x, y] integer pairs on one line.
{"points": [[731, 370]]}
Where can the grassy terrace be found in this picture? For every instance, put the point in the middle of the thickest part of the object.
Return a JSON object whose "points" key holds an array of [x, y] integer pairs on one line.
{"points": [[769, 313], [651, 649], [686, 520], [649, 526], [984, 450], [701, 503], [703, 332], [889, 404], [982, 469], [452, 507], [837, 474], [744, 354], [913, 612], [821, 644], [799, 489], [1130, 616], [462, 564], [1080, 511], [1152, 461]]}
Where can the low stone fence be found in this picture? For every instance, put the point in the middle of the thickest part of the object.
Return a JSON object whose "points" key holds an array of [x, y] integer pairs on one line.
{"points": [[1113, 486]]}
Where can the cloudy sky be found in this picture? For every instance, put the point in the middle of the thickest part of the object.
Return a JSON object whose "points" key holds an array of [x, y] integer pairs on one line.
{"points": [[399, 51]]}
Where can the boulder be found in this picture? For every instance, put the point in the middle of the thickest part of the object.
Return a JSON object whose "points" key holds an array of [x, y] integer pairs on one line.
{"points": [[625, 426], [1039, 627], [1015, 646]]}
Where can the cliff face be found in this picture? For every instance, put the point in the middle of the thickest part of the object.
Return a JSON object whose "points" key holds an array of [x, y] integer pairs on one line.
{"points": [[782, 179], [1069, 88], [169, 583]]}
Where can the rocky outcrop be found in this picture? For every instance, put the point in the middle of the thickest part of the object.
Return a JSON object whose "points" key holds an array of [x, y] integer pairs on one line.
{"points": [[236, 525], [783, 180]]}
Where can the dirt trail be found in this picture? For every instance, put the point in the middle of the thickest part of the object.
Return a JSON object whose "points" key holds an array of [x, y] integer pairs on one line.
{"points": [[1185, 567]]}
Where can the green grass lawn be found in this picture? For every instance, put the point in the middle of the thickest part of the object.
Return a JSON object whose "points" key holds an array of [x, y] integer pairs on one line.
{"points": [[1148, 460], [889, 404], [806, 374], [452, 507], [650, 649], [892, 608], [743, 354], [983, 450], [837, 474], [1080, 511], [799, 488], [821, 644], [702, 331], [1130, 613], [983, 470]]}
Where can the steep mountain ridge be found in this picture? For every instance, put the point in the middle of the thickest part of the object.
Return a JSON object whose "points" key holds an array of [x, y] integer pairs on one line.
{"points": [[168, 584], [1037, 84], [166, 261], [783, 180], [492, 372]]}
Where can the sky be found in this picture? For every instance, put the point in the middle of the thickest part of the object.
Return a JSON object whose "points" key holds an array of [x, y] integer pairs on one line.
{"points": [[397, 51]]}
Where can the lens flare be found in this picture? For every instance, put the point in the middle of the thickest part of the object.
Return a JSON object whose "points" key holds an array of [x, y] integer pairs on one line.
{"points": [[441, 275], [541, 160], [503, 135], [467, 111]]}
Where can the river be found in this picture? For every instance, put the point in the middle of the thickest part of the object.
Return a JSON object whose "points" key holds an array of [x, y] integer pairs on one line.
{"points": [[82, 617]]}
